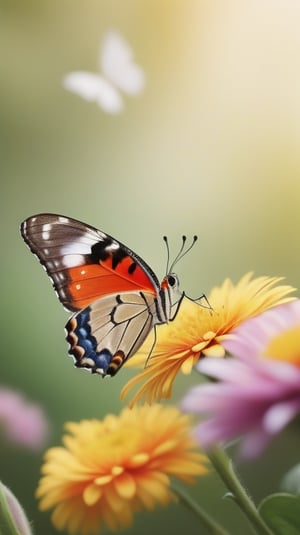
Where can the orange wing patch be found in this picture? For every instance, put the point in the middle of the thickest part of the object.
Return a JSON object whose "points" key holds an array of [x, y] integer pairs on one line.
{"points": [[89, 282]]}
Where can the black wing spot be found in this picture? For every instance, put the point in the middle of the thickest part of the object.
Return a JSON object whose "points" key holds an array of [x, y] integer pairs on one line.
{"points": [[132, 268], [100, 251], [117, 257]]}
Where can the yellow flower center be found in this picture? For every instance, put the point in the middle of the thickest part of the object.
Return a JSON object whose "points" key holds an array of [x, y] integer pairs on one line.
{"points": [[207, 337], [112, 440], [285, 347]]}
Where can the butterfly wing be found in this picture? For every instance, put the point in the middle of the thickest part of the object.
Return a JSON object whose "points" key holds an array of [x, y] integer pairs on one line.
{"points": [[110, 330], [117, 65], [84, 263], [94, 88]]}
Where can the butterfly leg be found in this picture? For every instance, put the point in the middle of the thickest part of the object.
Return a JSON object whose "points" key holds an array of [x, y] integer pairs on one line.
{"points": [[198, 300], [152, 347]]}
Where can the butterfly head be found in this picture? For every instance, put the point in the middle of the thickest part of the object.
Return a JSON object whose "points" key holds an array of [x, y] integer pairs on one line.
{"points": [[170, 282]]}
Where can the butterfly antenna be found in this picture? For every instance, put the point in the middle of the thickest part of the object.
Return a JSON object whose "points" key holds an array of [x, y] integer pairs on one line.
{"points": [[165, 238], [183, 252], [178, 254]]}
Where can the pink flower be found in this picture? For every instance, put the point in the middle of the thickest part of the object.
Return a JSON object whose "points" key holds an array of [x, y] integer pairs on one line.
{"points": [[22, 422], [258, 392]]}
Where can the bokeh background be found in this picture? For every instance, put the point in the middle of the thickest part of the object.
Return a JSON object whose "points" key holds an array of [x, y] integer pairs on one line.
{"points": [[211, 147]]}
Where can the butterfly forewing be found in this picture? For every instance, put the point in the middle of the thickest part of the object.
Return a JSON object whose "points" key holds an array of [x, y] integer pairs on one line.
{"points": [[84, 263]]}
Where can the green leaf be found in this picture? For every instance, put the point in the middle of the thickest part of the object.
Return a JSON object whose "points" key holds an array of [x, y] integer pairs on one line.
{"points": [[291, 481], [281, 512]]}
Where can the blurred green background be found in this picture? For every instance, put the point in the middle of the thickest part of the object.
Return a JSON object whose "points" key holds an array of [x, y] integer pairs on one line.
{"points": [[211, 147]]}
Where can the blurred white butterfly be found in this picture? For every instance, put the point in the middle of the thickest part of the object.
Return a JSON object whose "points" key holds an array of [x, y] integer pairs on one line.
{"points": [[118, 72]]}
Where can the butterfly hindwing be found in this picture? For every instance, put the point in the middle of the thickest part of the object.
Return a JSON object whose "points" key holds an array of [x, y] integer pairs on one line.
{"points": [[94, 88], [85, 264], [110, 330]]}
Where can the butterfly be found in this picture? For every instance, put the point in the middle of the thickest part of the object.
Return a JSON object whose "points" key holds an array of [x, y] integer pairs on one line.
{"points": [[117, 73], [115, 297]]}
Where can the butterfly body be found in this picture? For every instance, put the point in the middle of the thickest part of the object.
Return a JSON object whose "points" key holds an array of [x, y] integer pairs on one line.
{"points": [[115, 297]]}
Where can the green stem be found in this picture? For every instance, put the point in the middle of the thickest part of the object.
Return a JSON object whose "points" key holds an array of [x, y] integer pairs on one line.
{"points": [[212, 527], [224, 467]]}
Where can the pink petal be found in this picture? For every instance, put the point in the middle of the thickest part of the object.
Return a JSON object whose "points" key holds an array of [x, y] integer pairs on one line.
{"points": [[252, 336], [253, 443], [279, 415], [224, 369], [23, 422]]}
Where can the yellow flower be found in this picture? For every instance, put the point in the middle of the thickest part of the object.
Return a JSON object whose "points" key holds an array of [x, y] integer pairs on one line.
{"points": [[199, 331], [109, 469], [285, 346]]}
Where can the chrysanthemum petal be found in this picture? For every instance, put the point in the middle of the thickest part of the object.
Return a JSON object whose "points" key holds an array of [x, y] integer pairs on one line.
{"points": [[91, 494], [125, 485], [251, 338], [187, 365], [164, 447], [257, 393], [185, 469], [225, 369], [279, 415], [103, 480], [155, 489], [138, 460], [61, 515], [113, 500], [201, 331], [253, 443], [199, 347], [215, 350], [120, 465]]}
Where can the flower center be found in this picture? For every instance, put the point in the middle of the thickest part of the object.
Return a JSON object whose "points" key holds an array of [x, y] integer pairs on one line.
{"points": [[285, 347]]}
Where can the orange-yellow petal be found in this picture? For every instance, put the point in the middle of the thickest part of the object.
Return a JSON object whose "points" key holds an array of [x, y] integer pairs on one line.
{"points": [[199, 331], [117, 466], [125, 485], [91, 494]]}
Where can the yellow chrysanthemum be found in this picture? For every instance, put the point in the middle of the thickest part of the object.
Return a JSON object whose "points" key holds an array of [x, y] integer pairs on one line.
{"points": [[109, 469], [199, 331]]}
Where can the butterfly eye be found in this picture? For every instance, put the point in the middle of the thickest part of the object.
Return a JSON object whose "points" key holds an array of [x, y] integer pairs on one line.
{"points": [[172, 280]]}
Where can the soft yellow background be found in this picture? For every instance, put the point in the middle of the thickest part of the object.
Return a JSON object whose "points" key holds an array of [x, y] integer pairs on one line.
{"points": [[210, 148]]}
